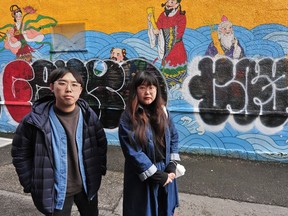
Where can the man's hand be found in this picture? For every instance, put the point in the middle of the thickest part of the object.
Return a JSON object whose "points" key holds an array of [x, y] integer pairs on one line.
{"points": [[149, 16], [156, 31], [235, 42]]}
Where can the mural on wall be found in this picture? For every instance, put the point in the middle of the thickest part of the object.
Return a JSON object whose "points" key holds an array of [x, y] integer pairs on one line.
{"points": [[224, 41], [167, 32], [24, 31], [118, 54], [231, 101]]}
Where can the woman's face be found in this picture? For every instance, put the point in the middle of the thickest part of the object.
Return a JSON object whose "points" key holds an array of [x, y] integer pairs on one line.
{"points": [[18, 16], [146, 94]]}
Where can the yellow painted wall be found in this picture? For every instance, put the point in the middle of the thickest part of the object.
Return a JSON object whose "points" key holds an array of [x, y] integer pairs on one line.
{"points": [[130, 15]]}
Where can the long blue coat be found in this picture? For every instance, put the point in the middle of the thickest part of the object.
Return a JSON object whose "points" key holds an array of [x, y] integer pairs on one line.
{"points": [[140, 196]]}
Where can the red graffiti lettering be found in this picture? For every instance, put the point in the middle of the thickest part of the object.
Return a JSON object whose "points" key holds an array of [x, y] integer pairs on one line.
{"points": [[16, 90]]}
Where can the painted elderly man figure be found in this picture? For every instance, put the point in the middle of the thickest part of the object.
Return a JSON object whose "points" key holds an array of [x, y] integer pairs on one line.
{"points": [[226, 43]]}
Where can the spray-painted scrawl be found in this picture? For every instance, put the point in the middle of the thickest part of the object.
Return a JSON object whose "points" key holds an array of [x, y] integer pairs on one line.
{"points": [[260, 94]]}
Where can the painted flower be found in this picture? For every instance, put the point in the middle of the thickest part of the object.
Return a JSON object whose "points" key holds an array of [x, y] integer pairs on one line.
{"points": [[29, 10]]}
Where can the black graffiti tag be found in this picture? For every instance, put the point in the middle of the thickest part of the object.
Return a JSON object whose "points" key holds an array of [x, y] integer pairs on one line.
{"points": [[105, 87], [246, 88]]}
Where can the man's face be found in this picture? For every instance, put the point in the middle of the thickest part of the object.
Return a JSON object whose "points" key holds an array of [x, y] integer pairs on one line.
{"points": [[171, 4], [227, 29], [67, 91], [227, 35], [117, 54]]}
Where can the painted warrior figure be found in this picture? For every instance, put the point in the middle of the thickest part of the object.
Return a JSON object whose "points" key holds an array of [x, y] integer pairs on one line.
{"points": [[168, 32]]}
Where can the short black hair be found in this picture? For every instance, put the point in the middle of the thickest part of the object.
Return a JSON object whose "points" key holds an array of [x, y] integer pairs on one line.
{"points": [[61, 72]]}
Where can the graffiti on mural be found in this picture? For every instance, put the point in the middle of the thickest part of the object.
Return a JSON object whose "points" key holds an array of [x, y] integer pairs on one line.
{"points": [[18, 37], [248, 89], [105, 84], [243, 91]]}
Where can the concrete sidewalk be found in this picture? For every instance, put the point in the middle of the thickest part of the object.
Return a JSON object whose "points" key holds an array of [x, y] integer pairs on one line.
{"points": [[210, 187], [5, 141], [110, 203]]}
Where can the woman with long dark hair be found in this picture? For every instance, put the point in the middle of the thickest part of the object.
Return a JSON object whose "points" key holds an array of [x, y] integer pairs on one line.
{"points": [[149, 142]]}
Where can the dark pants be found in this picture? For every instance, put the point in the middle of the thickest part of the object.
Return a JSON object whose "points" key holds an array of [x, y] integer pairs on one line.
{"points": [[85, 207], [162, 201]]}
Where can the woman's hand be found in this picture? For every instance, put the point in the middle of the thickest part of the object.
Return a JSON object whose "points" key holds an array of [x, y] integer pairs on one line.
{"points": [[156, 31], [171, 177], [169, 180]]}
